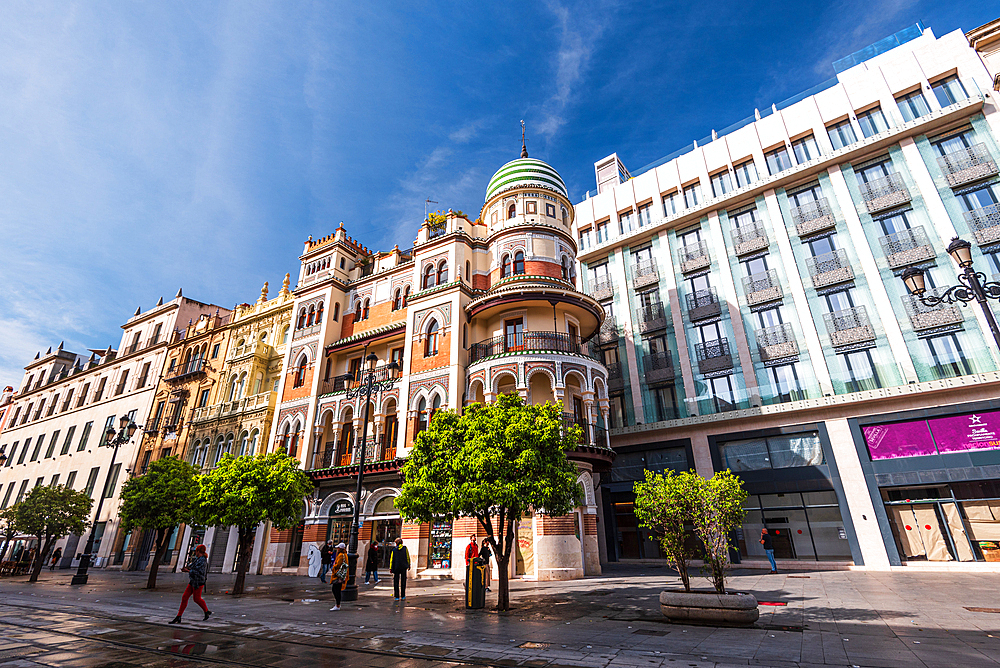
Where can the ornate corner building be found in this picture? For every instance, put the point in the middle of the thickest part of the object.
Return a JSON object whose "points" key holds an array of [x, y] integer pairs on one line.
{"points": [[472, 310]]}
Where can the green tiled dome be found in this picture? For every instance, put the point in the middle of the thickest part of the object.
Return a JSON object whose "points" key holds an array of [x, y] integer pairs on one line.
{"points": [[526, 172]]}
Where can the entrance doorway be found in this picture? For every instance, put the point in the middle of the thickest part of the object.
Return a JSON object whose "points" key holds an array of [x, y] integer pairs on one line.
{"points": [[295, 548], [386, 532]]}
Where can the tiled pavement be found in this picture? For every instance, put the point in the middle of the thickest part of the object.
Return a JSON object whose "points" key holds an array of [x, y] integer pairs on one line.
{"points": [[831, 618]]}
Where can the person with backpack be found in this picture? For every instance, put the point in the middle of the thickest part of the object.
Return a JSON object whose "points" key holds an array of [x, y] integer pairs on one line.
{"points": [[339, 573], [399, 564], [197, 576]]}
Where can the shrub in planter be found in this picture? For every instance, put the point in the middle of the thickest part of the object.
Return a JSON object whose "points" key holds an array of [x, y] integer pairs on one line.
{"points": [[718, 511], [664, 505]]}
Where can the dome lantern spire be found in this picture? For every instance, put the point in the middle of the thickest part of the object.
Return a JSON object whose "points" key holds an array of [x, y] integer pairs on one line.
{"points": [[524, 145]]}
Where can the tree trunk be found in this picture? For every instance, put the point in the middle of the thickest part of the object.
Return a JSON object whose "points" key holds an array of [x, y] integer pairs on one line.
{"points": [[243, 560], [40, 555], [503, 562], [161, 547]]}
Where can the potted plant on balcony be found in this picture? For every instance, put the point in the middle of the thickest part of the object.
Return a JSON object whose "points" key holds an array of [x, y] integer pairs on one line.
{"points": [[713, 508]]}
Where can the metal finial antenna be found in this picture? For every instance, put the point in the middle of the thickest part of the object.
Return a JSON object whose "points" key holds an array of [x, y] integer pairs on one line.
{"points": [[524, 145]]}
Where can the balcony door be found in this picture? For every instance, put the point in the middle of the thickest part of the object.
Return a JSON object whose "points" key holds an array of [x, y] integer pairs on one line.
{"points": [[895, 224], [874, 172], [513, 331]]}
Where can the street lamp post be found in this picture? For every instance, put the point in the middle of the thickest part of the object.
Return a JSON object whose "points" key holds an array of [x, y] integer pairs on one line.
{"points": [[370, 384], [973, 285], [114, 440]]}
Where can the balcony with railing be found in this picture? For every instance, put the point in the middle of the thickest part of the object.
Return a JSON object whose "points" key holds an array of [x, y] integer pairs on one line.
{"points": [[609, 331], [658, 368], [645, 273], [984, 223], [884, 193], [380, 456], [694, 256], [602, 287], [713, 356], [923, 317], [702, 304], [749, 238], [186, 371], [762, 287], [776, 342], [813, 217], [236, 407], [849, 326], [967, 165], [906, 247], [616, 379], [651, 317], [257, 348], [352, 380], [524, 342], [829, 268]]}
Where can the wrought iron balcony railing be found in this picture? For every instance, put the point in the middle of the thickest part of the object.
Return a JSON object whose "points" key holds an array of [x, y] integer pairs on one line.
{"points": [[658, 367], [703, 304], [924, 317], [609, 331], [602, 288], [350, 380], [849, 326], [813, 217], [694, 256], [651, 317], [906, 247], [883, 193], [616, 380], [713, 356], [967, 165], [645, 273], [776, 342], [829, 268], [749, 238], [762, 287], [550, 342], [985, 223], [187, 370]]}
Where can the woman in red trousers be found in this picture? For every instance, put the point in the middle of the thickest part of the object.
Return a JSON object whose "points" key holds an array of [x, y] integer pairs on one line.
{"points": [[197, 574]]}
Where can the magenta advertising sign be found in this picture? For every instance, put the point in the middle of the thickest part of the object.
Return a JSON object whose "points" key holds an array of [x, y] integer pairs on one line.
{"points": [[961, 433], [902, 439]]}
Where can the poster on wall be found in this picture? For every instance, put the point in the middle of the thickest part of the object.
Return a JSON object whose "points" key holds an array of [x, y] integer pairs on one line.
{"points": [[901, 439], [962, 433]]}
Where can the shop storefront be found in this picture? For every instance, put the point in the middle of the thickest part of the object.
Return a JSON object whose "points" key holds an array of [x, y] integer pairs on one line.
{"points": [[387, 526], [338, 527], [938, 481], [440, 544]]}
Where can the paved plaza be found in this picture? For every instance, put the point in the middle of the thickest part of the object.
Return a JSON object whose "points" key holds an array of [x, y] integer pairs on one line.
{"points": [[825, 618]]}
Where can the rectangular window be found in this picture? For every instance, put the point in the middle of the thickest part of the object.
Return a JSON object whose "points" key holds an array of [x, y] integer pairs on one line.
{"points": [[626, 223], [949, 360], [721, 391], [145, 461], [215, 351], [531, 207], [805, 149], [92, 481], [122, 383], [27, 414], [912, 105], [38, 448], [777, 160], [746, 173], [602, 232], [785, 382], [17, 412], [143, 376], [692, 195], [68, 401], [52, 406], [51, 451], [585, 237], [108, 424], [71, 479], [7, 495], [10, 459], [83, 395], [670, 204], [949, 90], [841, 134], [54, 481], [21, 491], [202, 400], [156, 335], [24, 450], [550, 210], [722, 183], [100, 389], [41, 407], [745, 219], [956, 142], [67, 442], [773, 452], [83, 439], [859, 371], [872, 122], [39, 481], [980, 198], [645, 217]]}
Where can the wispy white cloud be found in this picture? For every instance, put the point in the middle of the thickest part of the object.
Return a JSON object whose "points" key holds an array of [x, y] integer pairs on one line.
{"points": [[882, 18]]}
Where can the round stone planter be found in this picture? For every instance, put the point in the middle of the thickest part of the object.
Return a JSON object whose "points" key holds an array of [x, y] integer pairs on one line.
{"points": [[709, 608]]}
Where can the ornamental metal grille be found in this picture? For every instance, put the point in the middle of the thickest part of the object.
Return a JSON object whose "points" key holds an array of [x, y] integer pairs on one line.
{"points": [[602, 288], [923, 316], [658, 367], [615, 379], [645, 273], [906, 247], [651, 317], [552, 342], [985, 223], [748, 235], [609, 330], [712, 349], [700, 298], [694, 256], [775, 335], [765, 280], [885, 192], [849, 318], [827, 262], [811, 211], [967, 164]]}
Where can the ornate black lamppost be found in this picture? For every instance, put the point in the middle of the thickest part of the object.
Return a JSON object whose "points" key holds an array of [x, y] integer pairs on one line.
{"points": [[372, 381], [114, 440]]}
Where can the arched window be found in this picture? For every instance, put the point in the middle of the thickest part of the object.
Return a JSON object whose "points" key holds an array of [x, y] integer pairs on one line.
{"points": [[263, 337], [442, 273], [293, 446], [300, 371], [336, 312], [397, 300], [319, 313], [565, 269], [468, 271], [431, 343], [312, 316], [505, 266], [406, 295], [511, 211], [519, 262], [194, 453], [244, 442], [435, 407], [357, 312], [284, 335], [421, 416], [285, 435], [302, 319], [428, 277], [565, 217], [364, 314], [252, 444]]}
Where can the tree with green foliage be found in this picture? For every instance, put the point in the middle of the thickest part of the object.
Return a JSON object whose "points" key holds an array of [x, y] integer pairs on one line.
{"points": [[246, 491], [50, 513], [718, 512], [496, 462], [159, 501], [664, 504]]}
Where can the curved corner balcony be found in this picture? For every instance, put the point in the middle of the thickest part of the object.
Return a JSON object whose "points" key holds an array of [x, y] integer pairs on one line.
{"points": [[531, 342], [521, 289]]}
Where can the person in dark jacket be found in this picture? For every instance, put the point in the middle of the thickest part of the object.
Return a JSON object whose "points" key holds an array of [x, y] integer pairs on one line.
{"points": [[399, 564], [326, 560], [765, 540], [197, 576], [56, 556], [486, 553], [371, 563]]}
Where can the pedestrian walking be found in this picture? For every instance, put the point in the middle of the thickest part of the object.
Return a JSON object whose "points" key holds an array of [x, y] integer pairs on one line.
{"points": [[399, 564], [371, 563], [339, 576], [197, 576], [765, 540], [56, 556], [485, 553], [326, 555]]}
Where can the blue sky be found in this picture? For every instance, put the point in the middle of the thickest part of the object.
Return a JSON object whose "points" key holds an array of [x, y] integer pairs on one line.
{"points": [[149, 146]]}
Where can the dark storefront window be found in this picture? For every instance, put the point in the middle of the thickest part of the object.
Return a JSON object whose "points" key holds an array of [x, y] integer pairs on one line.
{"points": [[803, 525], [773, 452]]}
